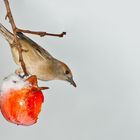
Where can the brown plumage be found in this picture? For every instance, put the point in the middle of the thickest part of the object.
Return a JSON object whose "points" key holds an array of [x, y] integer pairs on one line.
{"points": [[38, 61]]}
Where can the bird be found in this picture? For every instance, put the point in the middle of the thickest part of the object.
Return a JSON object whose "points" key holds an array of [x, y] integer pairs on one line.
{"points": [[38, 61]]}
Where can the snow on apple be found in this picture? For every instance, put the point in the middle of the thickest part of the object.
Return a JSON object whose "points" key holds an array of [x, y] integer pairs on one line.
{"points": [[20, 100]]}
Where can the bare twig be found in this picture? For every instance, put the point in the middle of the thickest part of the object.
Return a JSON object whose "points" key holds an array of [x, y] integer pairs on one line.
{"points": [[40, 33], [42, 88], [16, 41], [16, 30]]}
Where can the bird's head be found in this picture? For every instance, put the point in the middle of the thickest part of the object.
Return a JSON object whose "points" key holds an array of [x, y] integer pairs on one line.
{"points": [[63, 72]]}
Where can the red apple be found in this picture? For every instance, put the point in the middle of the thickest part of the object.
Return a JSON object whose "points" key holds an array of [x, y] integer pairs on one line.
{"points": [[22, 106]]}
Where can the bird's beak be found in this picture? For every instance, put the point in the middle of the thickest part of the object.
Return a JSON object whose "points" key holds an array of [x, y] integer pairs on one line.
{"points": [[72, 82]]}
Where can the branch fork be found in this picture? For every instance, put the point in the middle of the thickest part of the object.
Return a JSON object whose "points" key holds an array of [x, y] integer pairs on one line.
{"points": [[16, 42]]}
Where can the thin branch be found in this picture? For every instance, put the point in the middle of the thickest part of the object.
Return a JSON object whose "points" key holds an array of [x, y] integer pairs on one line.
{"points": [[16, 41], [16, 30], [42, 88], [40, 33]]}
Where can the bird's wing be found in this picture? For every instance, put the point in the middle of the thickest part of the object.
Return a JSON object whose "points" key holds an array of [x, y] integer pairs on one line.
{"points": [[40, 50]]}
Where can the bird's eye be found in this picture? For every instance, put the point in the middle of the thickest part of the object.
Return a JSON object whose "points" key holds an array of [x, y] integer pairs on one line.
{"points": [[67, 72]]}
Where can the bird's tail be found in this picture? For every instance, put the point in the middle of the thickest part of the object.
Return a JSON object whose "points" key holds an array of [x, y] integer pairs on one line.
{"points": [[6, 34]]}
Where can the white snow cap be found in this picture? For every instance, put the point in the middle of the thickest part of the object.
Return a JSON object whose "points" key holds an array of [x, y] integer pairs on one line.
{"points": [[13, 81]]}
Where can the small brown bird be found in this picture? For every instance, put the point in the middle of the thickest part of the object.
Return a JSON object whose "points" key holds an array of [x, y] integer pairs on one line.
{"points": [[37, 60]]}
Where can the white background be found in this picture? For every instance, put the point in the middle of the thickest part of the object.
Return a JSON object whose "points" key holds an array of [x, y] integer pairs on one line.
{"points": [[102, 47]]}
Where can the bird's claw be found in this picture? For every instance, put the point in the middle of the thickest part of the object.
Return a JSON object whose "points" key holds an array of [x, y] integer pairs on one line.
{"points": [[23, 76]]}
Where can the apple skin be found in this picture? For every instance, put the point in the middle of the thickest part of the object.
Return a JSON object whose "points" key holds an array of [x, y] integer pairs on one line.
{"points": [[22, 106]]}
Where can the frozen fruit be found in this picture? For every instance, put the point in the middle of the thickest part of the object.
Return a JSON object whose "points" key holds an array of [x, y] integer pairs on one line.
{"points": [[21, 100]]}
